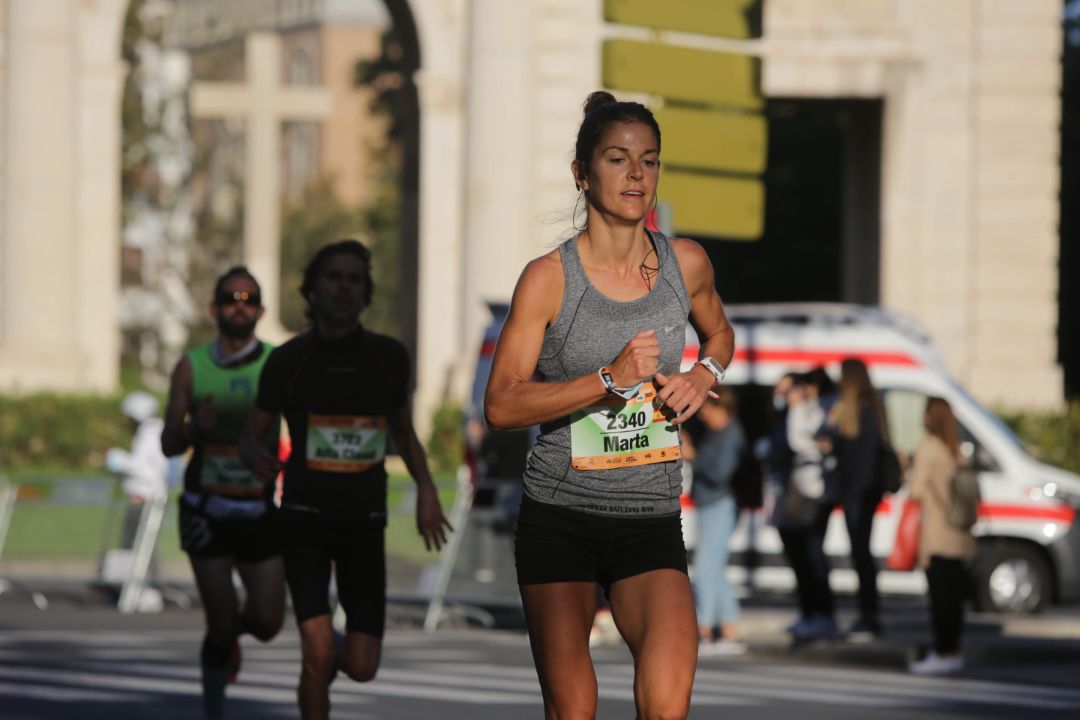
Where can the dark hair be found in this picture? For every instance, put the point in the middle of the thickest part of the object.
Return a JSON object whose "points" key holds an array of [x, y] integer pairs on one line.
{"points": [[940, 421], [602, 111], [233, 272], [352, 247], [856, 390], [820, 379]]}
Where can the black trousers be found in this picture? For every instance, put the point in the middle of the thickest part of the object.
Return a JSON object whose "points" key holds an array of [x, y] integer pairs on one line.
{"points": [[949, 582], [859, 517], [805, 550]]}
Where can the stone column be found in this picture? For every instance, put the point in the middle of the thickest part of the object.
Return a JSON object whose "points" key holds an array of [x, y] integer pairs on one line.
{"points": [[440, 85], [98, 132], [40, 273], [499, 171], [58, 325]]}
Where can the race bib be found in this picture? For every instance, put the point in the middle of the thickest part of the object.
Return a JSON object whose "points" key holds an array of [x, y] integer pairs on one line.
{"points": [[224, 474], [620, 433], [345, 443]]}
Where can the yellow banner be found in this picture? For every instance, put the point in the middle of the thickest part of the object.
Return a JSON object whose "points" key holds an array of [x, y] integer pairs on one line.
{"points": [[737, 19], [679, 73], [714, 206], [707, 140]]}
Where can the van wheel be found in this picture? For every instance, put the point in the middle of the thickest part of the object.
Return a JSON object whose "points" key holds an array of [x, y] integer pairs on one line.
{"points": [[1011, 578]]}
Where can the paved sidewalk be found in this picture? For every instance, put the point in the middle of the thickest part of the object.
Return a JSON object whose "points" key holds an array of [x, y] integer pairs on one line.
{"points": [[1041, 649]]}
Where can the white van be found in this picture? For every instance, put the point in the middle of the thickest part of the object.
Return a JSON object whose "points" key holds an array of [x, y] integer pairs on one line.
{"points": [[1029, 540]]}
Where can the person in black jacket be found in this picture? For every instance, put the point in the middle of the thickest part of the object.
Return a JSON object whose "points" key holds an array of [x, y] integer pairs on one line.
{"points": [[861, 431]]}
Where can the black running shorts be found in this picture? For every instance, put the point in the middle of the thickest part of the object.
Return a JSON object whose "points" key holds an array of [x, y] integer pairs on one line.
{"points": [[314, 540], [246, 540], [556, 544]]}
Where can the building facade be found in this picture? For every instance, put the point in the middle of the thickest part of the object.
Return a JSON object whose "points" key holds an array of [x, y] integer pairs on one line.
{"points": [[969, 170]]}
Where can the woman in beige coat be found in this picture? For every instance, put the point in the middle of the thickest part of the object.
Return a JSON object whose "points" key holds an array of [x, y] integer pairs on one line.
{"points": [[944, 550]]}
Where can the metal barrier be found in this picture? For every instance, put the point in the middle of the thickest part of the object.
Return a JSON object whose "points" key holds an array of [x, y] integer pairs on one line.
{"points": [[9, 493], [476, 579], [463, 502], [142, 550]]}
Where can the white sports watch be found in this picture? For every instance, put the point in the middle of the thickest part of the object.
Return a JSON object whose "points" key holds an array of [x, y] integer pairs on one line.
{"points": [[717, 370]]}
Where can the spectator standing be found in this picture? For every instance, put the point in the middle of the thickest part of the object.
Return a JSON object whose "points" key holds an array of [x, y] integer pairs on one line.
{"points": [[144, 473], [944, 549], [803, 532], [861, 433], [716, 458]]}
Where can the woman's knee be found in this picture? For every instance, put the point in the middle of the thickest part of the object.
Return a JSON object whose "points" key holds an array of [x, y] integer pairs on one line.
{"points": [[670, 706], [569, 707]]}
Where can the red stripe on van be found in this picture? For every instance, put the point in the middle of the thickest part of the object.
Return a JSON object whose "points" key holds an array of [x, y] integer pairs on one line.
{"points": [[824, 357], [1060, 513]]}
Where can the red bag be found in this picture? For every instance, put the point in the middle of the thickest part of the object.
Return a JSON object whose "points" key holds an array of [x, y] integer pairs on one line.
{"points": [[905, 552]]}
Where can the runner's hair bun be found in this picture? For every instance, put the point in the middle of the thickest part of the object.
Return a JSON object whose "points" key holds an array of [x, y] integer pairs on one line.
{"points": [[598, 98]]}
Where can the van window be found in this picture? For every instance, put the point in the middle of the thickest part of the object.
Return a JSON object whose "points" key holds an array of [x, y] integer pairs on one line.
{"points": [[904, 410]]}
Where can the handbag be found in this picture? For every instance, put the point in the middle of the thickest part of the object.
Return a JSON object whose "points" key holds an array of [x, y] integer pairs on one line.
{"points": [[888, 468], [797, 511], [905, 552]]}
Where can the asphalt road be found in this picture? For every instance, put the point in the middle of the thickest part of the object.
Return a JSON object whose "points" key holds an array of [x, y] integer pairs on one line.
{"points": [[81, 659]]}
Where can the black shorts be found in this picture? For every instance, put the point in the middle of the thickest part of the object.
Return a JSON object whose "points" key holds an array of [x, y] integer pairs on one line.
{"points": [[556, 544], [315, 540], [247, 540]]}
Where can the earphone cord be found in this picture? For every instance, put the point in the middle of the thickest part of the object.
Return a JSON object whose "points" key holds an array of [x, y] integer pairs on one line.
{"points": [[649, 272]]}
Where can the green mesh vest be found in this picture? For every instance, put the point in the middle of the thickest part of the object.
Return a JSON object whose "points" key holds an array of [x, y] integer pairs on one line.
{"points": [[215, 464]]}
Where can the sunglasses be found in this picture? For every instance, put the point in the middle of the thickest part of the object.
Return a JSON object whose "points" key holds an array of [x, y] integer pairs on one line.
{"points": [[239, 296]]}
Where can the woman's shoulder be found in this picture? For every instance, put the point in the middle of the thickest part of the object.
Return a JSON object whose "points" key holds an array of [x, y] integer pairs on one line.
{"points": [[932, 447], [540, 288], [690, 253], [694, 262], [545, 271]]}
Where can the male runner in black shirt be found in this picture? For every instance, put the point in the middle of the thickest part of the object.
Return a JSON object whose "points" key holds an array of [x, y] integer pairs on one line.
{"points": [[342, 390]]}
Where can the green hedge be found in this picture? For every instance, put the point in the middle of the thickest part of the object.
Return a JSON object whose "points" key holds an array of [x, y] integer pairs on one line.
{"points": [[445, 446], [48, 431], [1053, 437], [69, 432]]}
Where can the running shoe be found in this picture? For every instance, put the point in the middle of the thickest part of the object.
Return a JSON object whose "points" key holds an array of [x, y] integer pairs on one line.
{"points": [[934, 664]]}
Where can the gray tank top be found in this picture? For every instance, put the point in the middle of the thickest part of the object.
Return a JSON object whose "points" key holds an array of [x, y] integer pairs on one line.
{"points": [[588, 334]]}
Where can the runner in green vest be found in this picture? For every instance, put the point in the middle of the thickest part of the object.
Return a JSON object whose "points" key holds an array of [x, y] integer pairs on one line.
{"points": [[227, 518]]}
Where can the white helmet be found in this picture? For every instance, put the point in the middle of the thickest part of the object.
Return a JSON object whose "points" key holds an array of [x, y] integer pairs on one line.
{"points": [[139, 406]]}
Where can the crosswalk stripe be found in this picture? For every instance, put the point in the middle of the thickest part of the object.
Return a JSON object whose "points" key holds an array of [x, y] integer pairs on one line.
{"points": [[109, 666], [409, 684], [63, 694]]}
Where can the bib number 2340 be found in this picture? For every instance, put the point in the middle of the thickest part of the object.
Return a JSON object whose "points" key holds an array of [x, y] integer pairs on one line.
{"points": [[619, 433]]}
